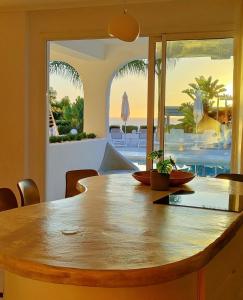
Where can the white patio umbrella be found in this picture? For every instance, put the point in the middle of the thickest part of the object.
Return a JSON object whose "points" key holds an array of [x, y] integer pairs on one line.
{"points": [[198, 109], [125, 110]]}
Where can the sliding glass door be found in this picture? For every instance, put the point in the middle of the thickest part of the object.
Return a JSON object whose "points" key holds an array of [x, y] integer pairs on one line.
{"points": [[193, 98]]}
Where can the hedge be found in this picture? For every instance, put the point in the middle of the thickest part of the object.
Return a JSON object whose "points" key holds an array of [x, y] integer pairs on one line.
{"points": [[129, 128], [64, 129], [63, 122], [71, 137]]}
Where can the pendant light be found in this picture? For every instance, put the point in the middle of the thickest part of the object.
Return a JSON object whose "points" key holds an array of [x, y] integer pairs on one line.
{"points": [[124, 27]]}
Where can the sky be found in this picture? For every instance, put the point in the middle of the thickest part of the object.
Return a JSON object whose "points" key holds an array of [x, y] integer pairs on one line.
{"points": [[178, 78]]}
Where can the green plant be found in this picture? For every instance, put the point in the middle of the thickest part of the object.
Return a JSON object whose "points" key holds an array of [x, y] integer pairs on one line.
{"points": [[91, 136], [66, 70], [53, 139], [129, 128], [65, 138], [83, 135], [162, 166], [56, 139], [209, 88], [71, 137], [64, 129], [63, 122], [187, 122]]}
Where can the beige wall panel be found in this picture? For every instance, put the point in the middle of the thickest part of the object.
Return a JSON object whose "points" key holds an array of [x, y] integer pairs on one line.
{"points": [[12, 86], [224, 274], [21, 288]]}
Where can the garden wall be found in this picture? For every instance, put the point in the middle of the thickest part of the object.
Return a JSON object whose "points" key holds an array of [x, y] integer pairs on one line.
{"points": [[62, 157]]}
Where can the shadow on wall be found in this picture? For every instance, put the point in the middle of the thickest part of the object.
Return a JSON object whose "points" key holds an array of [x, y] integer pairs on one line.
{"points": [[95, 154], [113, 162]]}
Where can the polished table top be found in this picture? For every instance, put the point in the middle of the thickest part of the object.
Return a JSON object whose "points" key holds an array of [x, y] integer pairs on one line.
{"points": [[112, 235]]}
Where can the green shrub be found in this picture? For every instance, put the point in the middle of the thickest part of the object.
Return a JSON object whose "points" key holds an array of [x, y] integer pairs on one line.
{"points": [[59, 139], [53, 139], [63, 122], [81, 136], [145, 127], [71, 137], [91, 136], [129, 128], [65, 138], [64, 129]]}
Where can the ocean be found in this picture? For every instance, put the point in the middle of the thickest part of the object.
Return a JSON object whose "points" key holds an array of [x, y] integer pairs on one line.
{"points": [[139, 121], [131, 121]]}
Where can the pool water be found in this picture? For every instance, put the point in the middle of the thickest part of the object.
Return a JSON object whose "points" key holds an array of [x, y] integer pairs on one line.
{"points": [[198, 169], [207, 171]]}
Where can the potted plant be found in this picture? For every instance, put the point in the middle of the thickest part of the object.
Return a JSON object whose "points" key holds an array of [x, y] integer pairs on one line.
{"points": [[160, 177]]}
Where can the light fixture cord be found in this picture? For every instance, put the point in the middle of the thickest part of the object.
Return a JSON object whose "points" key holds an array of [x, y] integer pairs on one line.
{"points": [[125, 9]]}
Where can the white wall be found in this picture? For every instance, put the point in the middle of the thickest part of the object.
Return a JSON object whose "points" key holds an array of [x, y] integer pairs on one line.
{"points": [[96, 76], [62, 157]]}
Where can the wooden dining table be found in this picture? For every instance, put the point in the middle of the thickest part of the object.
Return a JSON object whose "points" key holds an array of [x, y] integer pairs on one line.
{"points": [[113, 242]]}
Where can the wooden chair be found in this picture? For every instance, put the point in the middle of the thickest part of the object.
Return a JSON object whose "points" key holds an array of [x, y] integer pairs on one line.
{"points": [[231, 176], [7, 199], [72, 178], [29, 192]]}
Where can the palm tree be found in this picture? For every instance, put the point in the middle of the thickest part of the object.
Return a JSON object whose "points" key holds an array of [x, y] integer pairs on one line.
{"points": [[188, 122], [209, 89], [140, 66], [65, 70], [64, 109]]}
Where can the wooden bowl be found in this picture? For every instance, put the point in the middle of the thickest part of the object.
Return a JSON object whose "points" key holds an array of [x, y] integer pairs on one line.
{"points": [[180, 177], [142, 176], [176, 177]]}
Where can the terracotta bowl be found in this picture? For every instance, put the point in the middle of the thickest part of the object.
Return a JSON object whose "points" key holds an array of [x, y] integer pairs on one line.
{"points": [[176, 177]]}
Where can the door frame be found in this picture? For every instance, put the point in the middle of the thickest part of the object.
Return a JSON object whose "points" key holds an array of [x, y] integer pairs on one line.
{"points": [[164, 38]]}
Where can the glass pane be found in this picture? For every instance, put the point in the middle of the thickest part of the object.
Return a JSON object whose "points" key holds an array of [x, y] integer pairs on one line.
{"points": [[129, 135], [157, 97], [158, 60], [198, 106]]}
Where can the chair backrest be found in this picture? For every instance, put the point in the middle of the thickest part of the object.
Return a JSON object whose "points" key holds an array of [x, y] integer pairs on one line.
{"points": [[231, 176], [116, 133], [72, 178], [7, 199], [29, 192], [143, 133]]}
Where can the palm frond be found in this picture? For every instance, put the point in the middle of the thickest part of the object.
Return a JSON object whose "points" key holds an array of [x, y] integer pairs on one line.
{"points": [[67, 71], [139, 66]]}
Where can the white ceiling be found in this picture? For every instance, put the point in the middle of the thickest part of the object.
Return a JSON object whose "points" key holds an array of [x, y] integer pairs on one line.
{"points": [[95, 49], [44, 4]]}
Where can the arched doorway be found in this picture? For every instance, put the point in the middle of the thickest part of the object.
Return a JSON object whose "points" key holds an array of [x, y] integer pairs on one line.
{"points": [[128, 129], [66, 101]]}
